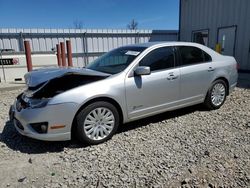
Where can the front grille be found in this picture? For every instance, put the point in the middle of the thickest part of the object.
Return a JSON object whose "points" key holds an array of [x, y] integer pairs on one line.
{"points": [[18, 124], [18, 106]]}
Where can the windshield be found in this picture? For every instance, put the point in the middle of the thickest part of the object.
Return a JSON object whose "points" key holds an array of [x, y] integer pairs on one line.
{"points": [[116, 60]]}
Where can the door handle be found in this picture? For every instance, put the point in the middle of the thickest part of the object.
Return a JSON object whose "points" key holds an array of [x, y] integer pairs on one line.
{"points": [[210, 69], [171, 76]]}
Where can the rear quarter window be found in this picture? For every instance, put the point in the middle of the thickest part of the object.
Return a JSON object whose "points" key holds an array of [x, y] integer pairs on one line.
{"points": [[207, 58]]}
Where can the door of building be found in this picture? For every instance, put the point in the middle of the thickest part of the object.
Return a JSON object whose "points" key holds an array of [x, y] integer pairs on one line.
{"points": [[248, 65], [226, 38]]}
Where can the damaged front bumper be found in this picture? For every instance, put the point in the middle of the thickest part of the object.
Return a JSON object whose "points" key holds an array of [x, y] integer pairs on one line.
{"points": [[49, 123]]}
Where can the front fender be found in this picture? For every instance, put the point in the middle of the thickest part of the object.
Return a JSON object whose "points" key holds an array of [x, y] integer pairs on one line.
{"points": [[108, 88]]}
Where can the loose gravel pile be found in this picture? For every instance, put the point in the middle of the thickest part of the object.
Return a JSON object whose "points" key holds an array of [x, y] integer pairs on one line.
{"points": [[191, 147]]}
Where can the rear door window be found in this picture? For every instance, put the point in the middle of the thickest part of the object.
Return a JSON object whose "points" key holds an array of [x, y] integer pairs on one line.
{"points": [[192, 55]]}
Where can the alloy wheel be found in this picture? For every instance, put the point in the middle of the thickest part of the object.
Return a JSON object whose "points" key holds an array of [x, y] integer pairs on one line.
{"points": [[218, 94], [99, 123]]}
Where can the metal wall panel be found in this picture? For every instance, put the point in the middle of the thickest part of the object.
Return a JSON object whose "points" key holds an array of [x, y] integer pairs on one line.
{"points": [[213, 14], [85, 42]]}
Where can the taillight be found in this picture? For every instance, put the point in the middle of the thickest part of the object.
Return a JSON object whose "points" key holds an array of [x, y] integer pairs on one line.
{"points": [[237, 66]]}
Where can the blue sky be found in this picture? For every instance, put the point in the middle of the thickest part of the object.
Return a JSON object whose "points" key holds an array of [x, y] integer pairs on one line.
{"points": [[150, 14]]}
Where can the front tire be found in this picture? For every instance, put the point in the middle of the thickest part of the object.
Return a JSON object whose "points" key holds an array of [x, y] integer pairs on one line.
{"points": [[216, 95], [97, 122]]}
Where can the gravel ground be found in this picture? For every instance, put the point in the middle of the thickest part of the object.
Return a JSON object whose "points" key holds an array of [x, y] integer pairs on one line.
{"points": [[191, 147]]}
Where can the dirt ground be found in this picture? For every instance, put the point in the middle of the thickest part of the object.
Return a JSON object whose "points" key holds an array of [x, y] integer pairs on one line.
{"points": [[191, 147]]}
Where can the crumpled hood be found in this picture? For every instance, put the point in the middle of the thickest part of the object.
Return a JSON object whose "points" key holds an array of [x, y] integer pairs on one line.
{"points": [[36, 77]]}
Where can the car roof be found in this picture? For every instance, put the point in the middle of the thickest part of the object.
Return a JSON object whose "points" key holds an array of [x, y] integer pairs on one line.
{"points": [[174, 43], [208, 50]]}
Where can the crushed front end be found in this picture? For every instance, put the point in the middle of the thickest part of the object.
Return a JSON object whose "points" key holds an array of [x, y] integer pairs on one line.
{"points": [[35, 117], [41, 121]]}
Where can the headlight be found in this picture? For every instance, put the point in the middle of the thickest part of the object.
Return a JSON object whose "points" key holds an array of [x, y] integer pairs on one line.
{"points": [[38, 103]]}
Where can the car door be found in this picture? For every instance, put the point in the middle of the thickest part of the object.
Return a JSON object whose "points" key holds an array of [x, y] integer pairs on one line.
{"points": [[150, 94], [196, 69]]}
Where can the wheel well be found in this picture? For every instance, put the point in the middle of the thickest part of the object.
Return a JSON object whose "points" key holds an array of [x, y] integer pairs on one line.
{"points": [[106, 99], [226, 81]]}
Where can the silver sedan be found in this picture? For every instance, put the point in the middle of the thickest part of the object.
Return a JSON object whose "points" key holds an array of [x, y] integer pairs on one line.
{"points": [[123, 85]]}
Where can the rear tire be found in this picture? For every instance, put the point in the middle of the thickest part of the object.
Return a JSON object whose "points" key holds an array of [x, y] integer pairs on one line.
{"points": [[97, 122], [216, 95]]}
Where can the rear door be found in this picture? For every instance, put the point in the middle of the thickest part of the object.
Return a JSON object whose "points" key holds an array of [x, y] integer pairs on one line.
{"points": [[196, 69]]}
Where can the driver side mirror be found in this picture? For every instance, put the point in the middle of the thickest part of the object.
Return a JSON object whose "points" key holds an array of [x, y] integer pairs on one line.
{"points": [[142, 70]]}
